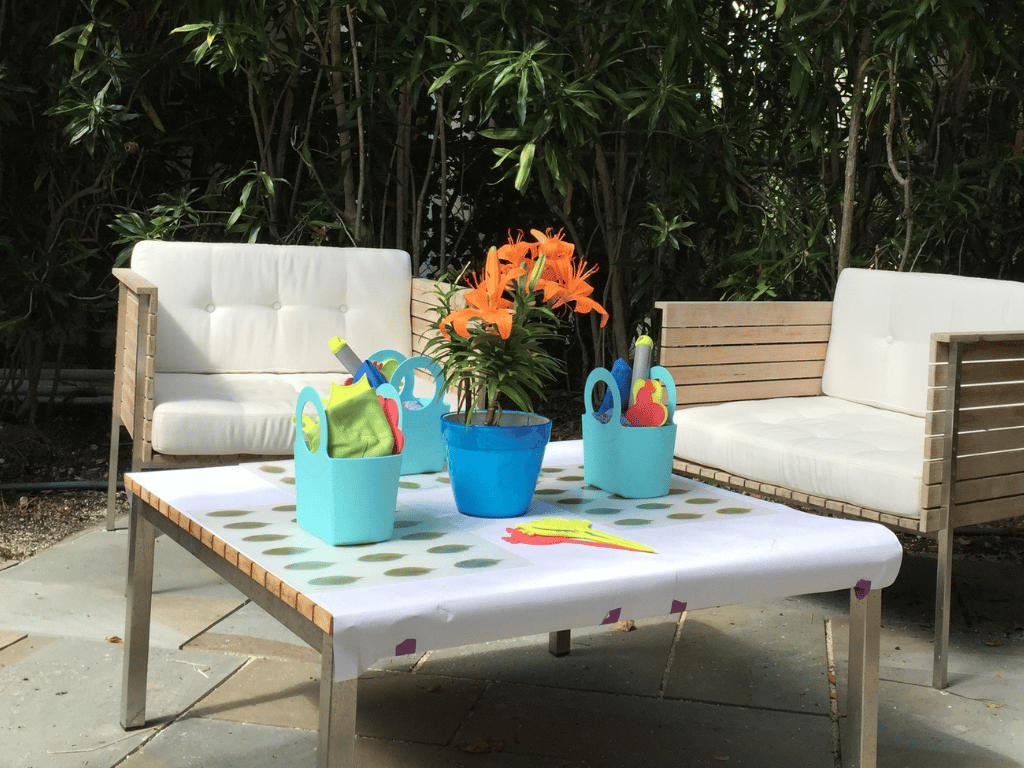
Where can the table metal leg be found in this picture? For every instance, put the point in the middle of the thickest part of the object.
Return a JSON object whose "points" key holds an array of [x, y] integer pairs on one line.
{"points": [[139, 596], [558, 642], [862, 694], [337, 745], [943, 595]]}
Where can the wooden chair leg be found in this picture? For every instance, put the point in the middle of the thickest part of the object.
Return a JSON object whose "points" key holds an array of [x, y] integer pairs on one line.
{"points": [[943, 592]]}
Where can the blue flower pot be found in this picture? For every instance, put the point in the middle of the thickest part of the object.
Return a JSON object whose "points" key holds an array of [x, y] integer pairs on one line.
{"points": [[494, 469]]}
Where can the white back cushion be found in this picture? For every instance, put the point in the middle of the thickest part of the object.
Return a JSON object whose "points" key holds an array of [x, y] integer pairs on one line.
{"points": [[880, 343], [236, 308]]}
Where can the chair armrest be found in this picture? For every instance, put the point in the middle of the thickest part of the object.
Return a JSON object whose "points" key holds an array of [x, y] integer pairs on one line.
{"points": [[998, 337], [974, 428], [725, 351], [132, 280], [135, 358]]}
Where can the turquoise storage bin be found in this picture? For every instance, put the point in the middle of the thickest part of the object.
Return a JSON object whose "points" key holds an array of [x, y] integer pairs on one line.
{"points": [[633, 462], [424, 449], [343, 501]]}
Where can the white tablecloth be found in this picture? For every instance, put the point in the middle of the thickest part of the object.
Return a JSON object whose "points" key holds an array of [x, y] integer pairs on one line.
{"points": [[446, 580]]}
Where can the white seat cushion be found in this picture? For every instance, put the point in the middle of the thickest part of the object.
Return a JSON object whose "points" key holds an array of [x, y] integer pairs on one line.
{"points": [[220, 414], [229, 413], [822, 446]]}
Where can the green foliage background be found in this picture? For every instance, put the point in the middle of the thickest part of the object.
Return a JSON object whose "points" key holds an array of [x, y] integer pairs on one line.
{"points": [[691, 149]]}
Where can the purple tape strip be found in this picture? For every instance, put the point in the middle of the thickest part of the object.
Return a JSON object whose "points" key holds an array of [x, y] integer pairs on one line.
{"points": [[613, 616], [677, 607], [862, 588], [406, 647]]}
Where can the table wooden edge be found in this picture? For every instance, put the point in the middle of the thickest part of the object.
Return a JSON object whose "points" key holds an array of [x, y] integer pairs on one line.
{"points": [[292, 598]]}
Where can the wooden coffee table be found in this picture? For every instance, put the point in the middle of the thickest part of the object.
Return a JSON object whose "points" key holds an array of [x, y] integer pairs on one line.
{"points": [[446, 580]]}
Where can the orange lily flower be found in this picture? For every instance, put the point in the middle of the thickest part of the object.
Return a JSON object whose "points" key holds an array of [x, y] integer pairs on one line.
{"points": [[486, 300], [515, 252], [568, 283]]}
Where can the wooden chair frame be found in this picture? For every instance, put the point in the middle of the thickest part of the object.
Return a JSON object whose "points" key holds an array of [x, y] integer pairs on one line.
{"points": [[973, 455], [135, 376]]}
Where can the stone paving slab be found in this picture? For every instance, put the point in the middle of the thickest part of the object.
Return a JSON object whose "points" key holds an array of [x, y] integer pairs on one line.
{"points": [[600, 729], [76, 589], [64, 700], [921, 727], [193, 742], [769, 655], [190, 743], [9, 638]]}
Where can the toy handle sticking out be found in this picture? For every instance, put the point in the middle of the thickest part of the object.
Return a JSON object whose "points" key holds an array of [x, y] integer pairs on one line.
{"points": [[345, 355], [355, 367], [641, 364]]}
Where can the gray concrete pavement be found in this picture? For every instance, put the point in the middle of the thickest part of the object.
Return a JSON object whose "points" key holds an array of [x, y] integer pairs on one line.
{"points": [[738, 685]]}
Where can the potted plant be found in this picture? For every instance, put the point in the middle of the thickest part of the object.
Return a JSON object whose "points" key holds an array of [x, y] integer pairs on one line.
{"points": [[495, 348]]}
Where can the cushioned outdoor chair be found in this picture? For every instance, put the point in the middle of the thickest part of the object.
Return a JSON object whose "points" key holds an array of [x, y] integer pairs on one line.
{"points": [[242, 329]]}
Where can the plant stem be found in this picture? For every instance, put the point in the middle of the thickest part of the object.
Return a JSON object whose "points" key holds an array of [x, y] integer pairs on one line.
{"points": [[491, 419]]}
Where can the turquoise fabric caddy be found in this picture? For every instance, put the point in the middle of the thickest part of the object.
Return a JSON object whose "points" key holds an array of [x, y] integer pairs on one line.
{"points": [[424, 449], [343, 501], [633, 462]]}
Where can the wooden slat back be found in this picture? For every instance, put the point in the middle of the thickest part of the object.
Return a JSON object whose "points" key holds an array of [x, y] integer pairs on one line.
{"points": [[990, 440], [424, 299], [723, 351]]}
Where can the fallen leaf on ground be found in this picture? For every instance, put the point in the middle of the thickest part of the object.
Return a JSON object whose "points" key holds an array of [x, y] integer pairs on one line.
{"points": [[721, 756], [115, 639], [994, 643], [626, 626]]}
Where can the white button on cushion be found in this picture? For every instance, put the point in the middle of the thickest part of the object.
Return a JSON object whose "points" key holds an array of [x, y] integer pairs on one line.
{"points": [[210, 307], [277, 305], [343, 308]]}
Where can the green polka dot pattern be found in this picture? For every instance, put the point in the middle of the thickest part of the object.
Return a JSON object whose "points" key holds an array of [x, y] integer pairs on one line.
{"points": [[430, 540]]}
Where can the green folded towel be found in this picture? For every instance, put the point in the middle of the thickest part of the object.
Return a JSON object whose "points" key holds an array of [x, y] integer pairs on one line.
{"points": [[357, 425]]}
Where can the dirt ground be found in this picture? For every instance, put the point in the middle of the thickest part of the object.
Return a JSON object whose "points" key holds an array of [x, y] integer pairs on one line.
{"points": [[71, 445]]}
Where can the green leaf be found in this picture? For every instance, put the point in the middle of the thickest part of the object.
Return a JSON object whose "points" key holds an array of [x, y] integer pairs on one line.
{"points": [[151, 113], [189, 28], [503, 134], [268, 183], [83, 42], [730, 198], [440, 82], [524, 90], [525, 165]]}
